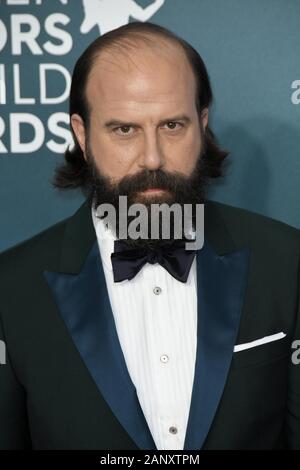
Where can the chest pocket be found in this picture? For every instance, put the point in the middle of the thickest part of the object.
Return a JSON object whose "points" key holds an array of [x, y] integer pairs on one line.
{"points": [[262, 354]]}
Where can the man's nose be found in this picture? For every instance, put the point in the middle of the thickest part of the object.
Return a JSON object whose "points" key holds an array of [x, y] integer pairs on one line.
{"points": [[152, 155]]}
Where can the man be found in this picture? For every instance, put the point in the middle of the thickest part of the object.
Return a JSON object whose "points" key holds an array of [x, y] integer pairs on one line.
{"points": [[190, 350]]}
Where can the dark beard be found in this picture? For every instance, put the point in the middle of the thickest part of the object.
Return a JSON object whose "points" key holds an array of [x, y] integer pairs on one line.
{"points": [[182, 190]]}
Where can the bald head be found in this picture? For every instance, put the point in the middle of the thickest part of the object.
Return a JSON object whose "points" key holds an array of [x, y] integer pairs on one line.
{"points": [[141, 81]]}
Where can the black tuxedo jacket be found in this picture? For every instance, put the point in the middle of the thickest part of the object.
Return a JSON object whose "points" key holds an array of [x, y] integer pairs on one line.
{"points": [[65, 384]]}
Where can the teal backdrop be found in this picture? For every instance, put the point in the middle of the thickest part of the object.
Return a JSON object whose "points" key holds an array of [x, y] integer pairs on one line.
{"points": [[252, 53]]}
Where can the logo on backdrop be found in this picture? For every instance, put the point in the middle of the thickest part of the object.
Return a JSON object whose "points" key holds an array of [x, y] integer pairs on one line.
{"points": [[35, 76], [110, 14]]}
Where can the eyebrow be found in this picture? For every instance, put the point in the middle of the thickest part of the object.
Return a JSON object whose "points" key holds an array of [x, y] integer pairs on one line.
{"points": [[117, 122]]}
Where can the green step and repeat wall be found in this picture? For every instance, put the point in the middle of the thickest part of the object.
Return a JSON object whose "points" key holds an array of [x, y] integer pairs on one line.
{"points": [[252, 52]]}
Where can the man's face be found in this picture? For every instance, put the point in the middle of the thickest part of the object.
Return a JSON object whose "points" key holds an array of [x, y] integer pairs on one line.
{"points": [[143, 115]]}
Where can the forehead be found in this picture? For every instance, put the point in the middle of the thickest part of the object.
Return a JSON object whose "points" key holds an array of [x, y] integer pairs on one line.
{"points": [[159, 77]]}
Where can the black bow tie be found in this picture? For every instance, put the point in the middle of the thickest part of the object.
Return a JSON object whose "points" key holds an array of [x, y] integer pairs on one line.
{"points": [[175, 258]]}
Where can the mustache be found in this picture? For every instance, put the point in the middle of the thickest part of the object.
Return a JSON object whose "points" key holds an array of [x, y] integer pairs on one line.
{"points": [[179, 187], [150, 179]]}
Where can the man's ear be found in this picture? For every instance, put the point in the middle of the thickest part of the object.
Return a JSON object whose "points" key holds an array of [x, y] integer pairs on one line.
{"points": [[204, 117], [79, 130]]}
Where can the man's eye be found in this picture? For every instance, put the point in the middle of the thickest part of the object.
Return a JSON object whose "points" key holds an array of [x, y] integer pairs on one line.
{"points": [[124, 130], [173, 125]]}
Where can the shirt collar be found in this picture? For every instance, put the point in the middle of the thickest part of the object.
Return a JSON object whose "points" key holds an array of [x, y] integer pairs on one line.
{"points": [[105, 239]]}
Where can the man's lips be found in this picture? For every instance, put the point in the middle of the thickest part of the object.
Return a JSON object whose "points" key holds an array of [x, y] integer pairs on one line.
{"points": [[153, 190]]}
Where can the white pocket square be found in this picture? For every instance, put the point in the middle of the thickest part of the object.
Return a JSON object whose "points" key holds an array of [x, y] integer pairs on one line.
{"points": [[258, 342]]}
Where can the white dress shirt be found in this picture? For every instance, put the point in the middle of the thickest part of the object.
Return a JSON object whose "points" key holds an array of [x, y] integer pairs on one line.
{"points": [[156, 322]]}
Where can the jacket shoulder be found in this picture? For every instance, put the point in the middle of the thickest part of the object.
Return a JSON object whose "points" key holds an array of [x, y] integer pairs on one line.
{"points": [[42, 246], [249, 226]]}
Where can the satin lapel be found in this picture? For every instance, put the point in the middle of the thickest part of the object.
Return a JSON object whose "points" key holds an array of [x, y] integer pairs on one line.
{"points": [[221, 284], [84, 305]]}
